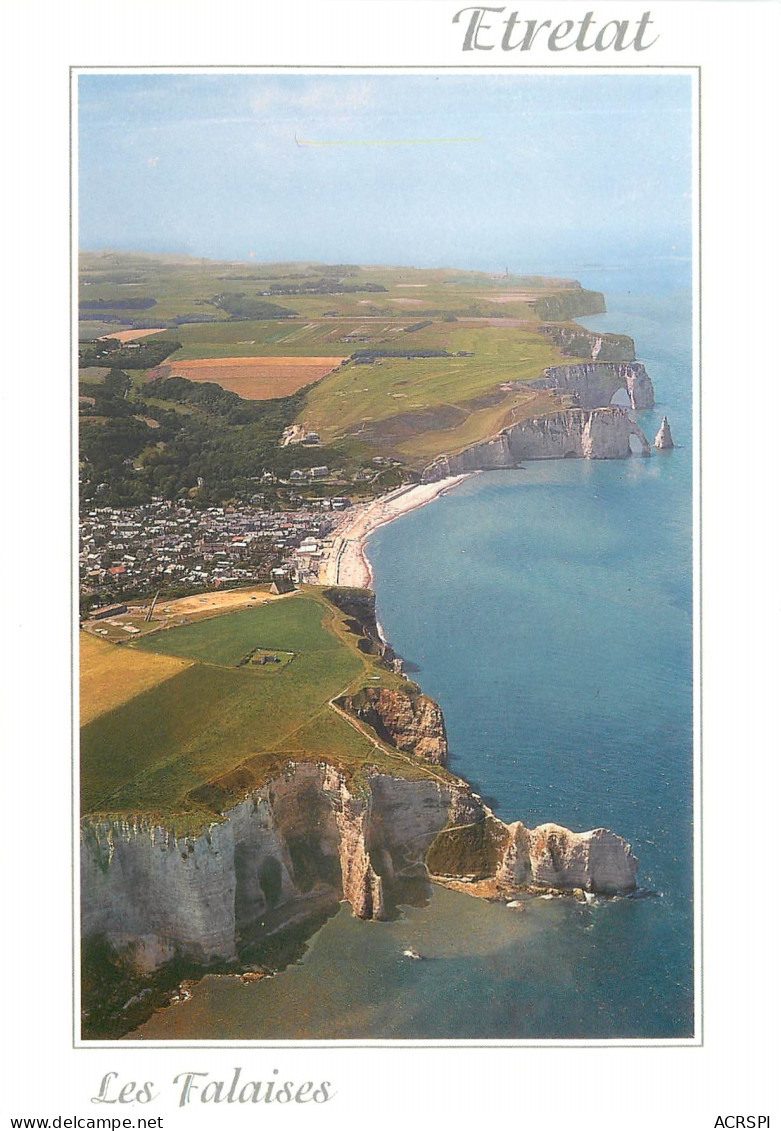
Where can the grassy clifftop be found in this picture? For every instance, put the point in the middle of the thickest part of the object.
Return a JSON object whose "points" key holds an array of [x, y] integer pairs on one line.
{"points": [[197, 723]]}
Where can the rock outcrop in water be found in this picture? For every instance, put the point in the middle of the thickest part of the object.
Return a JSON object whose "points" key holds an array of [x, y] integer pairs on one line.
{"points": [[664, 437], [603, 433], [496, 859], [594, 384]]}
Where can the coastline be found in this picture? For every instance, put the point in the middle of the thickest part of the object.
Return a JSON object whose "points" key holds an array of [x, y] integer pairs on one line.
{"points": [[346, 562]]}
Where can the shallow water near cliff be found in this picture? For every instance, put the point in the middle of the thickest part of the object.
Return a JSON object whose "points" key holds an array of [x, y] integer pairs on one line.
{"points": [[488, 971], [549, 612]]}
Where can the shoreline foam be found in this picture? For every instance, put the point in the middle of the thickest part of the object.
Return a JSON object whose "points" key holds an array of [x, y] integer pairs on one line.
{"points": [[346, 563]]}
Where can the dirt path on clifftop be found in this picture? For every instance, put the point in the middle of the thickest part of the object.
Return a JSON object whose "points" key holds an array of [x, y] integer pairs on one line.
{"points": [[378, 745]]}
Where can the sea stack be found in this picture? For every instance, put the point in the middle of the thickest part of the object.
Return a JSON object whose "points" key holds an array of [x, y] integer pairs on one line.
{"points": [[664, 437]]}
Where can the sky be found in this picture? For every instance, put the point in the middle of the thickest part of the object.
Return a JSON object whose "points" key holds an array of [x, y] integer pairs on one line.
{"points": [[479, 171]]}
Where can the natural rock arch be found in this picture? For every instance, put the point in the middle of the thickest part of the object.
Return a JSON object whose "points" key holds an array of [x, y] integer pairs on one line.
{"points": [[595, 384], [620, 398]]}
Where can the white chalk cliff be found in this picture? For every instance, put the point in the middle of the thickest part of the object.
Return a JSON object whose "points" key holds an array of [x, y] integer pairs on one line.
{"points": [[305, 840], [593, 384], [576, 341], [602, 433]]}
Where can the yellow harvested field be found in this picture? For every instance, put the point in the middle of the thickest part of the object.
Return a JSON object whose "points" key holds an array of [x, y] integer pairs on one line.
{"points": [[131, 335], [216, 602], [255, 378], [110, 675]]}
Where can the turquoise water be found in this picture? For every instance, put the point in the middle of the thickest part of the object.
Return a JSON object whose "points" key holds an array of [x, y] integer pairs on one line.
{"points": [[549, 612]]}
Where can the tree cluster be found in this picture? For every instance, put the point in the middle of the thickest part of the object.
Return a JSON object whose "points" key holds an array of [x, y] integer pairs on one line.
{"points": [[129, 303], [363, 356], [110, 353], [242, 307], [322, 287], [215, 451]]}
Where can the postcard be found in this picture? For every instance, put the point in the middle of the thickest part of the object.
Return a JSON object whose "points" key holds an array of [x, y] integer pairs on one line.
{"points": [[405, 732]]}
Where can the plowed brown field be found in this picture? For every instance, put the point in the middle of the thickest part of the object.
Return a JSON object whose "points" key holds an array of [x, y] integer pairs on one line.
{"points": [[254, 378]]}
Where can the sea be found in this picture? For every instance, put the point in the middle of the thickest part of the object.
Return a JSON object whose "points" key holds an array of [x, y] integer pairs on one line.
{"points": [[549, 611]]}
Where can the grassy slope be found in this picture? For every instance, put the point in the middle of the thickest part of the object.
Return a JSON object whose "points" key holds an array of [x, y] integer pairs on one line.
{"points": [[477, 425], [343, 401], [156, 752]]}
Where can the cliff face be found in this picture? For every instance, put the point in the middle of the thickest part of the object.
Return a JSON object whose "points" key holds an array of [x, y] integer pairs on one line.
{"points": [[552, 856], [602, 433], [594, 384], [302, 842], [572, 303], [361, 884], [575, 341], [307, 840], [413, 723], [505, 860], [359, 604], [151, 893]]}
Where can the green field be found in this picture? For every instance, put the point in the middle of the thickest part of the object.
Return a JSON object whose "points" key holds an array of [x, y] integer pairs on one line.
{"points": [[186, 289], [388, 403], [181, 286], [161, 752], [293, 625], [345, 402], [411, 408], [325, 337]]}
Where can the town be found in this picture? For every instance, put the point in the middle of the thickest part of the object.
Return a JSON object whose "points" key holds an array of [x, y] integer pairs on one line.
{"points": [[177, 549]]}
